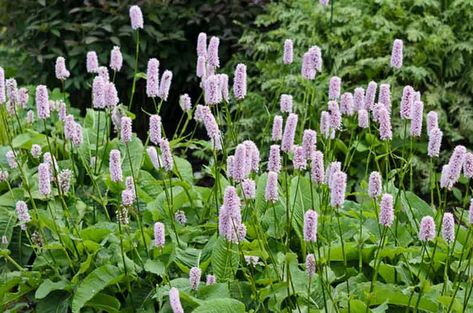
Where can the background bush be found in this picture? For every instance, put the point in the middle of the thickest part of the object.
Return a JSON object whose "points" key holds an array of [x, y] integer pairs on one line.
{"points": [[356, 46], [41, 30]]}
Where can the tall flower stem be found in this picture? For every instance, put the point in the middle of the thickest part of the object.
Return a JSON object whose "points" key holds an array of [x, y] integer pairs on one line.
{"points": [[458, 275], [424, 250], [133, 87], [377, 263], [344, 256], [139, 218], [97, 143], [124, 263]]}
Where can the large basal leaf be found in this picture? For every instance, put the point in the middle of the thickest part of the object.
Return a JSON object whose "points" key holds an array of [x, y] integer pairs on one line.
{"points": [[48, 286], [104, 302], [300, 202], [221, 306], [184, 168], [225, 259], [135, 147], [95, 282]]}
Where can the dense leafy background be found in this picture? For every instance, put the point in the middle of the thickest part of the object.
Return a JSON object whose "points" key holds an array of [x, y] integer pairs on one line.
{"points": [[88, 262], [36, 32], [357, 46]]}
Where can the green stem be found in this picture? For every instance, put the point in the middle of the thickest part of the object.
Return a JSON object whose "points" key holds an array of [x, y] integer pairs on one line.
{"points": [[139, 219], [137, 50]]}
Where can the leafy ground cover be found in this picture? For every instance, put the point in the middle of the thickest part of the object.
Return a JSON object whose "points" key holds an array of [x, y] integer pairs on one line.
{"points": [[94, 219]]}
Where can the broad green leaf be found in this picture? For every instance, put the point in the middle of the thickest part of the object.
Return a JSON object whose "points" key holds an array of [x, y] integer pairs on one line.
{"points": [[155, 267], [104, 302], [94, 283], [221, 306], [225, 259], [47, 286], [184, 168]]}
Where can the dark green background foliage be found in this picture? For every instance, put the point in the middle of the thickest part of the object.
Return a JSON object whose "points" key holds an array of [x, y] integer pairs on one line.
{"points": [[438, 54], [41, 30]]}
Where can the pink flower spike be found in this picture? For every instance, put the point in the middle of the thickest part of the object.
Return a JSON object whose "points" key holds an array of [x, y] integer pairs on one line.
{"points": [[274, 160], [200, 67], [276, 133], [448, 227], [211, 280], [334, 88], [248, 188], [271, 190], [346, 104], [416, 118], [385, 96], [159, 236], [468, 165], [396, 54], [363, 119], [386, 214], [325, 124], [385, 130], [338, 186], [98, 93], [194, 277], [289, 133], [309, 142], [374, 185], [136, 17], [288, 52], [310, 265], [370, 95], [212, 53], [455, 164], [427, 229], [435, 141], [116, 59], [42, 102], [286, 103], [168, 162], [310, 226], [185, 102], [432, 121], [125, 129], [165, 85], [407, 102], [202, 45], [44, 179], [61, 71], [359, 99], [152, 78], [335, 115], [239, 84], [92, 62], [175, 301], [317, 168], [115, 166], [299, 161], [155, 129]]}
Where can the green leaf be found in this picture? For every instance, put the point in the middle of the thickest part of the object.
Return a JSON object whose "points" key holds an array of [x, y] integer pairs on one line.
{"points": [[155, 267], [95, 282], [221, 306], [225, 259], [104, 302], [135, 147], [47, 286], [184, 168]]}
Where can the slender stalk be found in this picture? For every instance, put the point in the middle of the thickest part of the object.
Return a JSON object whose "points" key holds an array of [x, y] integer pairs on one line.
{"points": [[139, 219], [137, 50]]}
